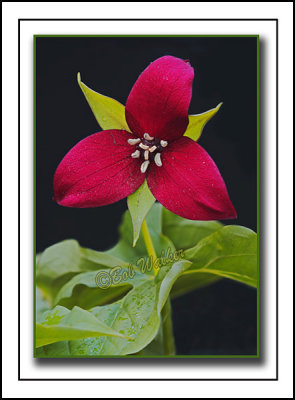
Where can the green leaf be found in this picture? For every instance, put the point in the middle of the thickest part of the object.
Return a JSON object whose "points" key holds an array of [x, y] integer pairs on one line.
{"points": [[198, 121], [137, 315], [60, 262], [186, 233], [139, 204], [60, 324], [109, 113], [230, 252]]}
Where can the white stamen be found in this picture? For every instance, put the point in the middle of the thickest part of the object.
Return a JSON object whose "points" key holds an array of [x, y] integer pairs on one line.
{"points": [[144, 166], [163, 143], [153, 148], [133, 141], [146, 155], [136, 154], [148, 137], [143, 146], [158, 160]]}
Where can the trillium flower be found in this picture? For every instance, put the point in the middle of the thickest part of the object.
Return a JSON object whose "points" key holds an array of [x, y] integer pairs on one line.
{"points": [[112, 164]]}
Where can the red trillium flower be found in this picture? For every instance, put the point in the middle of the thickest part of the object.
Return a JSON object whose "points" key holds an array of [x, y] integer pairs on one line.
{"points": [[110, 165]]}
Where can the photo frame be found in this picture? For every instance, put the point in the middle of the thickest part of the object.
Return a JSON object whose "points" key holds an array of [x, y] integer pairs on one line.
{"points": [[257, 369]]}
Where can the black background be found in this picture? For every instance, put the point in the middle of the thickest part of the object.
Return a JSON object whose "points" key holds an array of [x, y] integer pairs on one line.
{"points": [[219, 319]]}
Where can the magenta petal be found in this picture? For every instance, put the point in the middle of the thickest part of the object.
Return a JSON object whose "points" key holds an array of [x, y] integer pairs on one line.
{"points": [[189, 183], [99, 170], [159, 100]]}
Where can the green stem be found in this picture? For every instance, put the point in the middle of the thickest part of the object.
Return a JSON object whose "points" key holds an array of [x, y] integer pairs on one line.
{"points": [[168, 338], [167, 327], [149, 245]]}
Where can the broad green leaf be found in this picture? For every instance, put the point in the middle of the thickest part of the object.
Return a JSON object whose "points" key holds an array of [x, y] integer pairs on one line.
{"points": [[109, 113], [61, 324], [140, 294], [186, 233], [65, 271], [137, 315], [60, 262], [198, 121], [230, 252], [139, 204]]}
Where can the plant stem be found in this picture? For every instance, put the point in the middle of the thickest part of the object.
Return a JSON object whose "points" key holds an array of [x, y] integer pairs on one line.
{"points": [[149, 245], [167, 327], [168, 338]]}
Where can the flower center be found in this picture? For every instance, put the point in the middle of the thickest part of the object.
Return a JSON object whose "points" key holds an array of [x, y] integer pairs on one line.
{"points": [[148, 149]]}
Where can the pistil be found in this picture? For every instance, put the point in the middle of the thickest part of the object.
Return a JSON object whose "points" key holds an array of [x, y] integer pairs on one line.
{"points": [[148, 149]]}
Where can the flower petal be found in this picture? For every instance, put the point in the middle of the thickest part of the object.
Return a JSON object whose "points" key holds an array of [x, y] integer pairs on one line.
{"points": [[99, 170], [159, 100], [189, 183]]}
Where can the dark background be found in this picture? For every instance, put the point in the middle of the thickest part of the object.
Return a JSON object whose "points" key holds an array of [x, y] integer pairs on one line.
{"points": [[219, 319]]}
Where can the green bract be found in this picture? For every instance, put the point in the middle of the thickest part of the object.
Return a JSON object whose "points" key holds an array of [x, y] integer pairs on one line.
{"points": [[109, 113], [139, 204], [198, 121]]}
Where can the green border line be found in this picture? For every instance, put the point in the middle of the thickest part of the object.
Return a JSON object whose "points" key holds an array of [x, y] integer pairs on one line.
{"points": [[34, 188], [234, 356], [44, 35], [258, 199], [255, 356]]}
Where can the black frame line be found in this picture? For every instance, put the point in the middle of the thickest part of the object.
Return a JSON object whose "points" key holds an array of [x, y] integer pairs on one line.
{"points": [[277, 199]]}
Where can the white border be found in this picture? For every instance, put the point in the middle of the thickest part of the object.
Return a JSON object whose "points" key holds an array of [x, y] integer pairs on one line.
{"points": [[30, 369]]}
